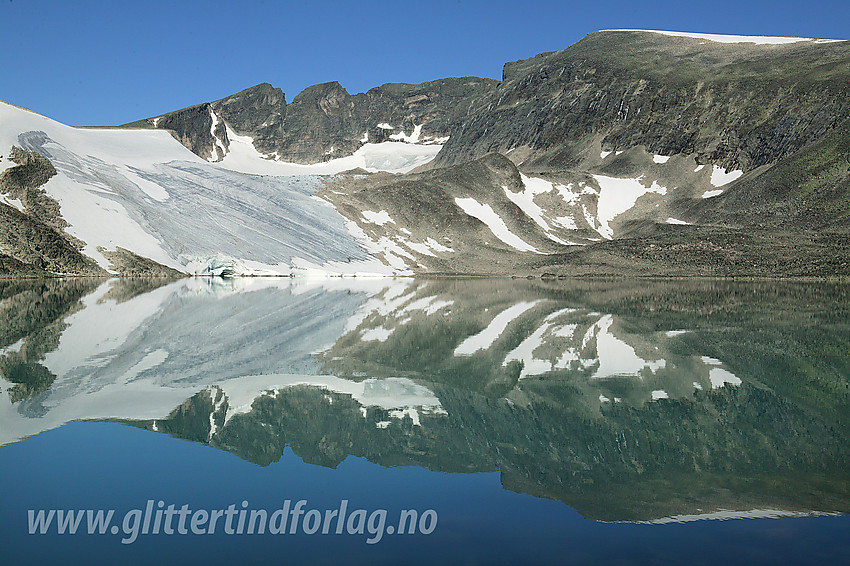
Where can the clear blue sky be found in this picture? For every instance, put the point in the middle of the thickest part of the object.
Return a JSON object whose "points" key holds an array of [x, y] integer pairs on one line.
{"points": [[99, 63]]}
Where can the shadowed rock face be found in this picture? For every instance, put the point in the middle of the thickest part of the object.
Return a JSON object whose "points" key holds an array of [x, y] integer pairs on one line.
{"points": [[737, 105], [33, 240], [324, 121]]}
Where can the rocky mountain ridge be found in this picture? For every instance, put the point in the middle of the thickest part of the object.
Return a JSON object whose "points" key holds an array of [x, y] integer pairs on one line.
{"points": [[324, 121]]}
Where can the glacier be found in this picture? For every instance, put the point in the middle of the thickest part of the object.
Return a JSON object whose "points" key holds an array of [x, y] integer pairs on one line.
{"points": [[143, 191]]}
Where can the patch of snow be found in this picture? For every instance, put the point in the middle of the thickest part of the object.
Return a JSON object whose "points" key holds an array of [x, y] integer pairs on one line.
{"points": [[720, 377], [660, 158], [417, 247], [721, 177], [217, 142], [365, 138], [380, 218], [699, 168], [394, 157], [672, 333], [524, 352], [604, 154], [567, 194], [153, 190], [604, 399], [525, 199], [497, 226], [379, 334], [677, 221], [385, 126], [13, 202], [407, 412], [382, 424], [484, 339], [150, 361], [429, 305], [659, 394], [567, 222], [437, 246], [616, 196], [726, 515], [412, 138], [616, 357], [719, 38], [714, 193]]}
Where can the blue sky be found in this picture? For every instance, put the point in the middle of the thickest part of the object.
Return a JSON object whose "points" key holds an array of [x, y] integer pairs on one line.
{"points": [[100, 63]]}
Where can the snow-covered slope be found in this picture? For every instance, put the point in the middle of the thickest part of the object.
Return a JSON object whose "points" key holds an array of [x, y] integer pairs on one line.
{"points": [[143, 191]]}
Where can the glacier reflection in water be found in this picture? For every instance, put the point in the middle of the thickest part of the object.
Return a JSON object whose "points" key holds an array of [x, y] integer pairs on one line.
{"points": [[629, 401]]}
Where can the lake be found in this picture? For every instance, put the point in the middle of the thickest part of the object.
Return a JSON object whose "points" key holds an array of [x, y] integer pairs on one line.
{"points": [[422, 421]]}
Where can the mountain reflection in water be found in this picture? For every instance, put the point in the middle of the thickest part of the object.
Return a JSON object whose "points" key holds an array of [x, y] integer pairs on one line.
{"points": [[627, 400]]}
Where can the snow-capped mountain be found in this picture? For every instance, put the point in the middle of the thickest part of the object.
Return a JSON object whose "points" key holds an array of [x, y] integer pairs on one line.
{"points": [[630, 152]]}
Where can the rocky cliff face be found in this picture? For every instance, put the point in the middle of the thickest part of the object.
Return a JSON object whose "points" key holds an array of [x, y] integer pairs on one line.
{"points": [[325, 121], [739, 105], [32, 236]]}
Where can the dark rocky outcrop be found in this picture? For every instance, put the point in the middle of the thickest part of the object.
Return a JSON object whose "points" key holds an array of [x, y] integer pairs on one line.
{"points": [[34, 239], [736, 105], [324, 121], [127, 264]]}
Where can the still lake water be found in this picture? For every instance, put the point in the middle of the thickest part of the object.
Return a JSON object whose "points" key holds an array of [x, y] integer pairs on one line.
{"points": [[532, 422]]}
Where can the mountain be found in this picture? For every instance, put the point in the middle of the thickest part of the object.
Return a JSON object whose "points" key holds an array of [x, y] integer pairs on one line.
{"points": [[633, 153], [324, 121]]}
